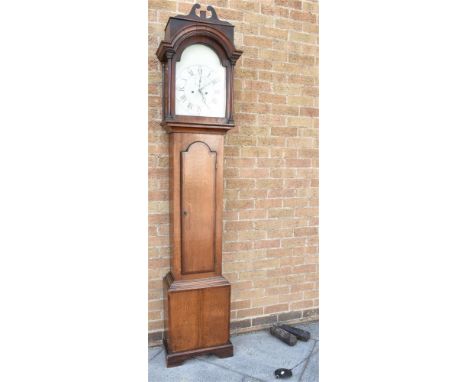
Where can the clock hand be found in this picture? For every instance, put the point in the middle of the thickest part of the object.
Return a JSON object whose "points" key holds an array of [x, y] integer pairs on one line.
{"points": [[208, 83], [203, 97]]}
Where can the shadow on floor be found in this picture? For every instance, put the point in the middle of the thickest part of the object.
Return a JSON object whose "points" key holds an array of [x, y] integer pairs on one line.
{"points": [[256, 356]]}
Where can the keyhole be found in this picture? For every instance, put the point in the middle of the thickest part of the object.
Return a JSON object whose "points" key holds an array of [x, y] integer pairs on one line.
{"points": [[185, 213]]}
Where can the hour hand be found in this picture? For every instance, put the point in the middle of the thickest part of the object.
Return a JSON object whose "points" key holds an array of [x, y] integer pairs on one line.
{"points": [[203, 96]]}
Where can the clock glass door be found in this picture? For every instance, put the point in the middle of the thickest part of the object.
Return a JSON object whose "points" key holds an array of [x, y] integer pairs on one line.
{"points": [[200, 83]]}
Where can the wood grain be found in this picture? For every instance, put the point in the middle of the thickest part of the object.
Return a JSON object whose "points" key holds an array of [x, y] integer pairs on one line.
{"points": [[185, 320], [198, 315], [198, 201], [192, 159], [215, 316]]}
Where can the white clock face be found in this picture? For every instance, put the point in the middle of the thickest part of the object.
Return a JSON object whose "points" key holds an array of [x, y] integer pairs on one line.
{"points": [[200, 83]]}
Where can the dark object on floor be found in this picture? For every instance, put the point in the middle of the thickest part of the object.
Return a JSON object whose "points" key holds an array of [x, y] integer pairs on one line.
{"points": [[301, 335], [283, 373], [283, 335]]}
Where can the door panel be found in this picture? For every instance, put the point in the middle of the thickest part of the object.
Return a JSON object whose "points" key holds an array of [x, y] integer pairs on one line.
{"points": [[185, 320], [198, 208], [215, 316]]}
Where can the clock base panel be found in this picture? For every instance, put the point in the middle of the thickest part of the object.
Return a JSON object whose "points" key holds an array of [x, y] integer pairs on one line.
{"points": [[197, 318]]}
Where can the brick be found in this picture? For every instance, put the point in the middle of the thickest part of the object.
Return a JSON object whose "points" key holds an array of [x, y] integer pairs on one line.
{"points": [[261, 42], [253, 214], [284, 131], [230, 14], [271, 98], [249, 275], [249, 312], [241, 324], [240, 140], [287, 193], [268, 203], [269, 162], [266, 320], [283, 173], [154, 337], [243, 304], [301, 287], [256, 85], [310, 313], [240, 162], [304, 16], [263, 301], [262, 283], [239, 204], [274, 33], [292, 297], [267, 244], [276, 308], [280, 233], [309, 111], [256, 18], [236, 246], [255, 194], [281, 152], [304, 304], [275, 11], [273, 54], [271, 142], [255, 152], [277, 291], [289, 316], [285, 110], [280, 213], [254, 108], [240, 183], [269, 183]]}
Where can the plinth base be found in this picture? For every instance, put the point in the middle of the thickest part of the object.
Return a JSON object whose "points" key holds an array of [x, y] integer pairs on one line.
{"points": [[197, 316], [178, 358]]}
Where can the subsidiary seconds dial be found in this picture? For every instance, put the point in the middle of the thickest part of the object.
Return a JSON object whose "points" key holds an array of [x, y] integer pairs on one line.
{"points": [[199, 92]]}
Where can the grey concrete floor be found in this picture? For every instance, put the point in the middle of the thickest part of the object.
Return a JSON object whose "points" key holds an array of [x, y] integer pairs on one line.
{"points": [[256, 356]]}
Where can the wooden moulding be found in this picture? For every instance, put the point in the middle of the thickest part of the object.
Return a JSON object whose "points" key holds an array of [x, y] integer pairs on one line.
{"points": [[177, 359], [209, 282], [194, 127]]}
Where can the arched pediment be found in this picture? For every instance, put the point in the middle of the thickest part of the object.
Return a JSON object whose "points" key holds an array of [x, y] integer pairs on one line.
{"points": [[210, 31]]}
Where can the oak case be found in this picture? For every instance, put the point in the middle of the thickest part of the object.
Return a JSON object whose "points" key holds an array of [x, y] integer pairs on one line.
{"points": [[196, 295]]}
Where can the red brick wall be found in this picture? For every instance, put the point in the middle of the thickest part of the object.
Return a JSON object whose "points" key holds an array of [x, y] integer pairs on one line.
{"points": [[270, 242]]}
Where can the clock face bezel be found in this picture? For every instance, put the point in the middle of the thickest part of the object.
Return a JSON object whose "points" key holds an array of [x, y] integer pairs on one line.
{"points": [[202, 62], [220, 51]]}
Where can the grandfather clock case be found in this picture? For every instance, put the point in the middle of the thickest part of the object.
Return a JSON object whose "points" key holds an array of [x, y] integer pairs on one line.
{"points": [[198, 57]]}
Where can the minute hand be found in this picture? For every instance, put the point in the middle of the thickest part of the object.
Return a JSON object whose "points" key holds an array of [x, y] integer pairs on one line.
{"points": [[208, 83]]}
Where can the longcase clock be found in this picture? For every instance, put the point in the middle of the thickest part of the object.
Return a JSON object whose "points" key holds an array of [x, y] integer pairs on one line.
{"points": [[198, 57]]}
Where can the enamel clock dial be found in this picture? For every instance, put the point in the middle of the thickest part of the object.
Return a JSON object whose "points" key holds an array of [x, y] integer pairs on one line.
{"points": [[200, 83]]}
